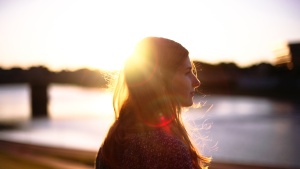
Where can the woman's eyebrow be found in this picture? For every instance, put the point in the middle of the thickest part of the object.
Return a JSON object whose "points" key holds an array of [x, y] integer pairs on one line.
{"points": [[187, 69]]}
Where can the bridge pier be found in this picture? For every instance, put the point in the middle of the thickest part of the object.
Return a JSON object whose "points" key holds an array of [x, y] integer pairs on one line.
{"points": [[39, 100], [39, 80]]}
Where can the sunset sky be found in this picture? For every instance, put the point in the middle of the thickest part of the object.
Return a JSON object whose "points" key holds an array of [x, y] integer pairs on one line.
{"points": [[71, 34]]}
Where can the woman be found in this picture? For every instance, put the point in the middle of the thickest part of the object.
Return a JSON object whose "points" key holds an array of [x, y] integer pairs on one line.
{"points": [[157, 81]]}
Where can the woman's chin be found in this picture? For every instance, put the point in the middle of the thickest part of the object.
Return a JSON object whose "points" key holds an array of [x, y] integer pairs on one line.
{"points": [[187, 103]]}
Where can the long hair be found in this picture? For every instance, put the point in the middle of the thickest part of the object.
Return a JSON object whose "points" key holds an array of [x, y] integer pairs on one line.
{"points": [[144, 100]]}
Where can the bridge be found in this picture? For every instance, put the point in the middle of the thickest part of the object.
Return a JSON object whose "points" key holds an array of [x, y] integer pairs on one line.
{"points": [[39, 79]]}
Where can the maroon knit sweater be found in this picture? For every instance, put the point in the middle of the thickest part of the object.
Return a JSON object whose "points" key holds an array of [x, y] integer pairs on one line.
{"points": [[153, 150]]}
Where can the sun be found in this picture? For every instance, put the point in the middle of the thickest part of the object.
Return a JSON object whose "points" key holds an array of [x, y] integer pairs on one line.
{"points": [[87, 42], [112, 57], [100, 55]]}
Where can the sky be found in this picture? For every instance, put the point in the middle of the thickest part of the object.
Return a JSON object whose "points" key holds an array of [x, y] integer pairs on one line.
{"points": [[98, 34]]}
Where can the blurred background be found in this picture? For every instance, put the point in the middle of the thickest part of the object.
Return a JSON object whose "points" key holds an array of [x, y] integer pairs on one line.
{"points": [[55, 56]]}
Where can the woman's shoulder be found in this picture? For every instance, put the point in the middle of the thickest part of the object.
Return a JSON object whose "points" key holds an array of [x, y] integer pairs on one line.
{"points": [[156, 149], [155, 137]]}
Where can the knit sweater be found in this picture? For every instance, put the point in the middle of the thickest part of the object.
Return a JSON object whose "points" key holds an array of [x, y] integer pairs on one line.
{"points": [[153, 150]]}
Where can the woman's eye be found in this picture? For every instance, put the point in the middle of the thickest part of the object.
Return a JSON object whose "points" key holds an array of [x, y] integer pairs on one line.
{"points": [[188, 72]]}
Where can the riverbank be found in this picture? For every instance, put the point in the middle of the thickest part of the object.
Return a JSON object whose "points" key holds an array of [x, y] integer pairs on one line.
{"points": [[14, 155]]}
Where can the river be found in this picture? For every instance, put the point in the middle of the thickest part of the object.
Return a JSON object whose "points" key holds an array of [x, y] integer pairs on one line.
{"points": [[239, 129]]}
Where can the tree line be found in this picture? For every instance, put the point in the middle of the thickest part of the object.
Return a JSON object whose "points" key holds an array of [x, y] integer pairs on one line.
{"points": [[223, 78]]}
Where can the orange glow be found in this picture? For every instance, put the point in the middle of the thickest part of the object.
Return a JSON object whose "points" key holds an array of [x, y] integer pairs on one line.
{"points": [[97, 34], [163, 122]]}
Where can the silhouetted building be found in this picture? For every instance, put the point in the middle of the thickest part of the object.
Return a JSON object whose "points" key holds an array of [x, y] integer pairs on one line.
{"points": [[295, 54], [288, 55]]}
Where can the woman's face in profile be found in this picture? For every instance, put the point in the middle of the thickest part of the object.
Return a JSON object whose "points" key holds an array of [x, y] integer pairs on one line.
{"points": [[184, 83]]}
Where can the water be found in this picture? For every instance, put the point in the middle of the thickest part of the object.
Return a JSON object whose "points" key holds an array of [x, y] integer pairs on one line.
{"points": [[230, 129], [65, 101]]}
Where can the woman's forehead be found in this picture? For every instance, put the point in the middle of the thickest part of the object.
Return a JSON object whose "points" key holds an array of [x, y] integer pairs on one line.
{"points": [[186, 63]]}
